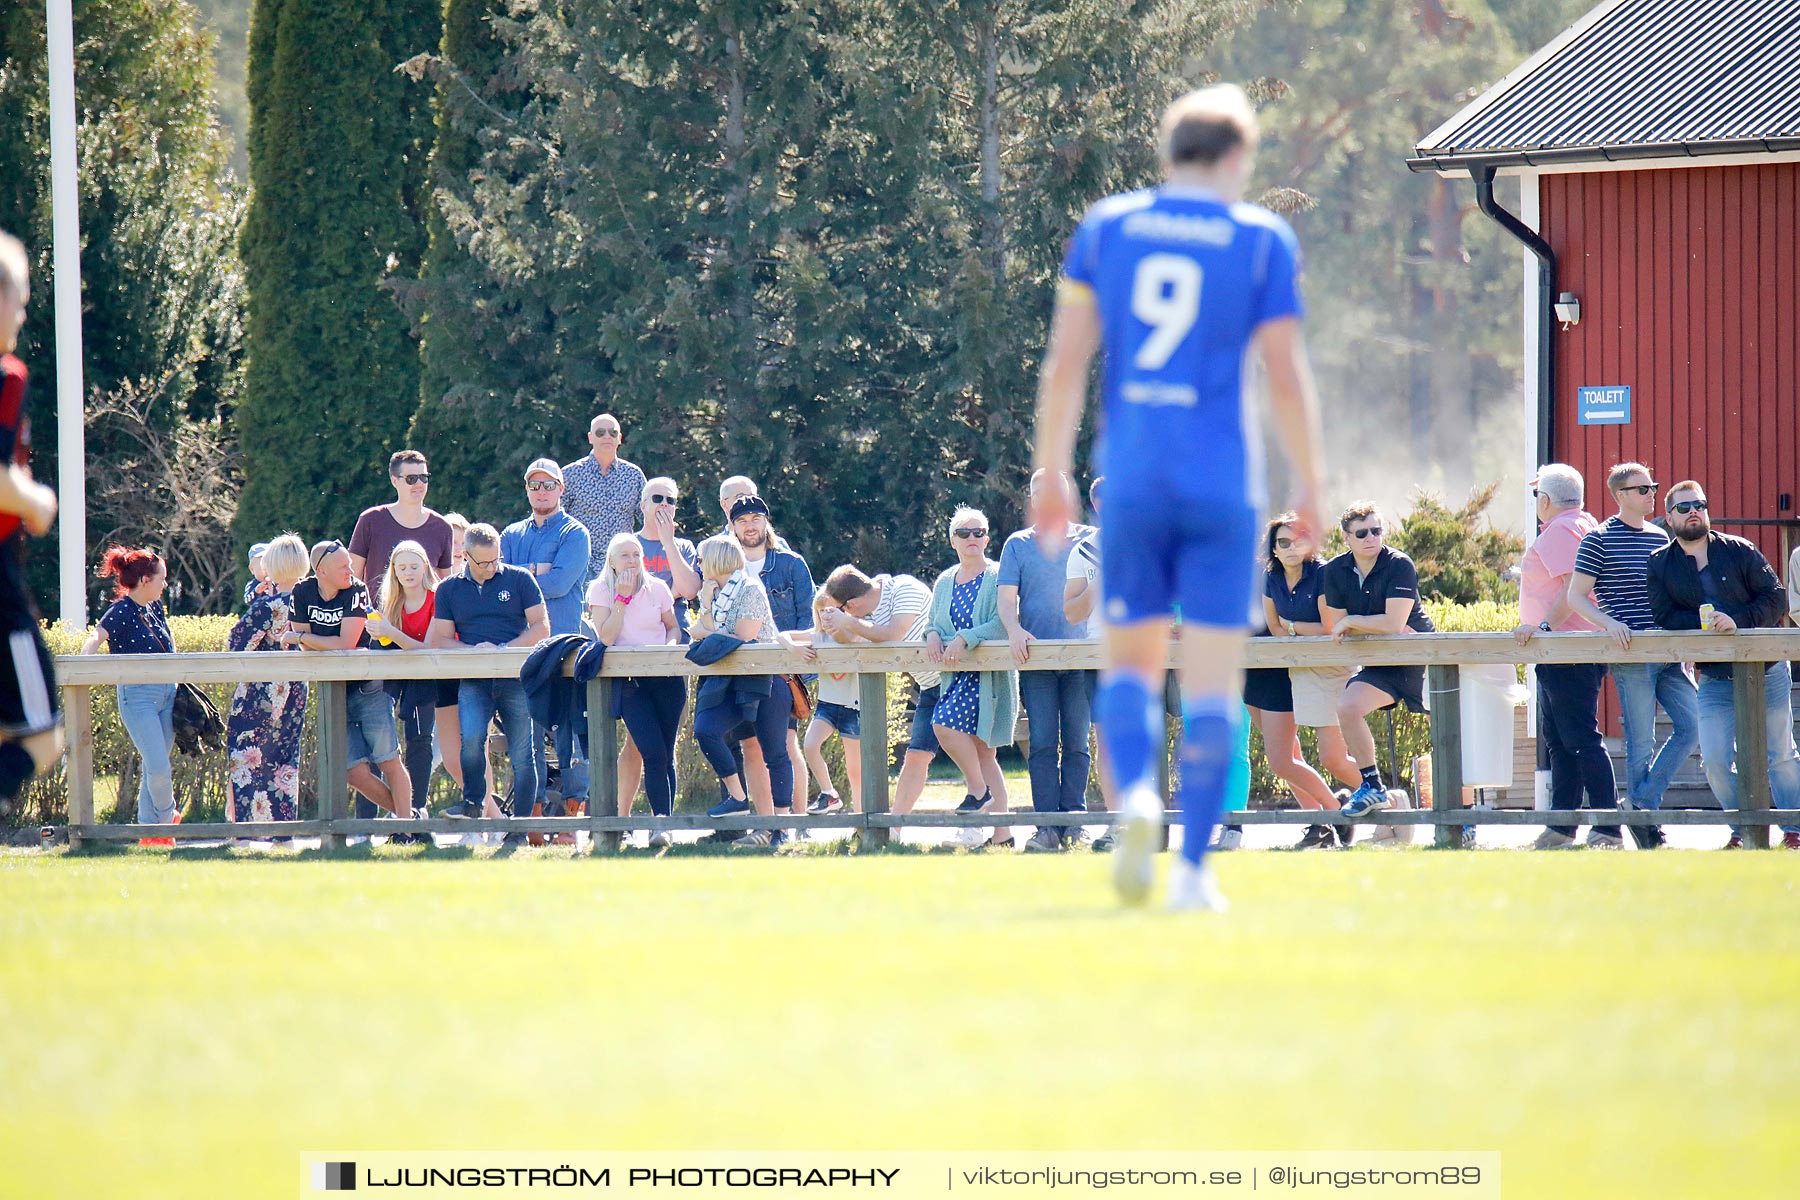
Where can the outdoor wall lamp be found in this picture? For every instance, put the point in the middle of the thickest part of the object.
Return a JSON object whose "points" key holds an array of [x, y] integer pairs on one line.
{"points": [[1568, 310]]}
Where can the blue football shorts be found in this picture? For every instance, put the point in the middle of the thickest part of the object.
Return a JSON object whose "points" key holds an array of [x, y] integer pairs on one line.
{"points": [[1157, 552]]}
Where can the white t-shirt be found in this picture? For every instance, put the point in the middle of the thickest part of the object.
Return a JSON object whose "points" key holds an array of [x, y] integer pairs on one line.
{"points": [[753, 566], [1084, 563]]}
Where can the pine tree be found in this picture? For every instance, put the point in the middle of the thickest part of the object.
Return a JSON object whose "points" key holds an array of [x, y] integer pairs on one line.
{"points": [[338, 142], [161, 284]]}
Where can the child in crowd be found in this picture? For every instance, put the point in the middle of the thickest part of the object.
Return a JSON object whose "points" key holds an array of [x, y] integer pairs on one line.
{"points": [[837, 712]]}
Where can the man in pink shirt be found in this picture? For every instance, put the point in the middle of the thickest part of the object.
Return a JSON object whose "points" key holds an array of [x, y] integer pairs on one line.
{"points": [[1568, 693]]}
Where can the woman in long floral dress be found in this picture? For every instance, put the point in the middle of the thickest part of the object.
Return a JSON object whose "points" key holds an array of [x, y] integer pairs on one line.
{"points": [[267, 719]]}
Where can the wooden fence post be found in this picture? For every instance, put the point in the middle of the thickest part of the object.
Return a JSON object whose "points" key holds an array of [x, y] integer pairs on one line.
{"points": [[334, 748], [1749, 711], [872, 702], [78, 722], [1446, 748], [603, 759]]}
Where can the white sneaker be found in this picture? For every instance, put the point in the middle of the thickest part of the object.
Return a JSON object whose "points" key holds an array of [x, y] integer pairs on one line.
{"points": [[1193, 889], [1133, 860], [1230, 837], [357, 839], [969, 837], [660, 840]]}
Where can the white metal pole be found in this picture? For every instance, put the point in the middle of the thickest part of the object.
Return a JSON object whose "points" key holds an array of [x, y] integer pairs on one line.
{"points": [[71, 456]]}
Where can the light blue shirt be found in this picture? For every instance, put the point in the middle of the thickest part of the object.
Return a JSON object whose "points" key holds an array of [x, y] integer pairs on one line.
{"points": [[561, 541], [1040, 580]]}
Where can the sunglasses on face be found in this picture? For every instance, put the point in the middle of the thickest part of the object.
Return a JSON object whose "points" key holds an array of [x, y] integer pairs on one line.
{"points": [[542, 485], [1642, 489], [1286, 543], [1688, 506], [416, 477], [971, 533], [1373, 531], [606, 433], [659, 498]]}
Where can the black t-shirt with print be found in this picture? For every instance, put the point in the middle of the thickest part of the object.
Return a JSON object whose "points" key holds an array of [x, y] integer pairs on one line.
{"points": [[326, 617]]}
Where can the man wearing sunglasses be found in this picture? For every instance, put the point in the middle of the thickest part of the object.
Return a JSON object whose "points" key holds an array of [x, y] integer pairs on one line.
{"points": [[1372, 588], [385, 526], [1610, 587], [602, 490], [1705, 569]]}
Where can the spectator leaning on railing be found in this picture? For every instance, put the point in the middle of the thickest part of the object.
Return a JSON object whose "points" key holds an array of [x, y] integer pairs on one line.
{"points": [[1372, 588], [734, 609], [1609, 588], [331, 610], [1568, 693], [491, 605], [263, 730], [1059, 705], [1709, 580], [403, 622], [631, 607], [1293, 583], [553, 547], [135, 624], [977, 710]]}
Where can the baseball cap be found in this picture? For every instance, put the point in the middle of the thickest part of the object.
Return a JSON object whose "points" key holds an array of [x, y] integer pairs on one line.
{"points": [[545, 465], [258, 550], [743, 506]]}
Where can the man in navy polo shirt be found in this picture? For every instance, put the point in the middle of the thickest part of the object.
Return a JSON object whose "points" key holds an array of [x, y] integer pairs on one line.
{"points": [[491, 605]]}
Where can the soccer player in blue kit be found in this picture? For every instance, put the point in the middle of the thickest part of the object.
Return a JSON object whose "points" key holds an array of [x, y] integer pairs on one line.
{"points": [[1178, 284]]}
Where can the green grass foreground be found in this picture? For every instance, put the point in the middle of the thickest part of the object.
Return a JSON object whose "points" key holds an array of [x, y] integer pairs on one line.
{"points": [[1615, 1025]]}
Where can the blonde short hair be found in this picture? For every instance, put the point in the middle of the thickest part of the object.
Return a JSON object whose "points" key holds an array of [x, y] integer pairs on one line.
{"points": [[1206, 124], [957, 516], [285, 560], [721, 555], [15, 265], [608, 578]]}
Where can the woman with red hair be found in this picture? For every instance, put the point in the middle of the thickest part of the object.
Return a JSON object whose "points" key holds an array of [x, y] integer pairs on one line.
{"points": [[135, 624]]}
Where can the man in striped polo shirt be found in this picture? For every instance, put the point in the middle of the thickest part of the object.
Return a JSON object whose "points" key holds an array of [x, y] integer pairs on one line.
{"points": [[1610, 587]]}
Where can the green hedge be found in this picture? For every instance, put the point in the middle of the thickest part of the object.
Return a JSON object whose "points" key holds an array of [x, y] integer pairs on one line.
{"points": [[200, 784]]}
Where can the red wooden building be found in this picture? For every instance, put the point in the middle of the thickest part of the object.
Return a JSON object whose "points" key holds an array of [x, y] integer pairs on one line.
{"points": [[1657, 144]]}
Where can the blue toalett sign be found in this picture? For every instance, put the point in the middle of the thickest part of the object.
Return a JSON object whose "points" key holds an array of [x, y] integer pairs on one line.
{"points": [[1603, 406]]}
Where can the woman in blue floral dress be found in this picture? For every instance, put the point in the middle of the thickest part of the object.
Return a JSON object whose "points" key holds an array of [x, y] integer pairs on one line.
{"points": [[263, 731]]}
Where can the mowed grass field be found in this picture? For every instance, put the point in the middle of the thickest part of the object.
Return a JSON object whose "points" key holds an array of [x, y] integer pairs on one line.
{"points": [[1614, 1024]]}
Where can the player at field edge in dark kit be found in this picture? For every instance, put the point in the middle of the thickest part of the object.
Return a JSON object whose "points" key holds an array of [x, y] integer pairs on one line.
{"points": [[1175, 284], [30, 712]]}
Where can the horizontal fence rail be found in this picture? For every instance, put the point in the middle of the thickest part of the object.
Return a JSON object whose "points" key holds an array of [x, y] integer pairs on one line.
{"points": [[1441, 653]]}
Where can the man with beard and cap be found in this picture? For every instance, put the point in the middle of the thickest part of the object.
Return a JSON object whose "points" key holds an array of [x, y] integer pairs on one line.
{"points": [[785, 576], [1704, 579]]}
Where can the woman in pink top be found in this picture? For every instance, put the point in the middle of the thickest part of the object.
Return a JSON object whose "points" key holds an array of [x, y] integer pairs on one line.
{"points": [[631, 607], [1568, 693]]}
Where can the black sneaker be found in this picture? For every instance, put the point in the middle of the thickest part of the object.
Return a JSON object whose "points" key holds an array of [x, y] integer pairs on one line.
{"points": [[1317, 837], [825, 802], [515, 838], [464, 810], [1647, 837], [971, 805]]}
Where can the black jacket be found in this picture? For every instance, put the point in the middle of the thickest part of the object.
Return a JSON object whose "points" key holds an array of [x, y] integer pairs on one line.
{"points": [[1744, 588]]}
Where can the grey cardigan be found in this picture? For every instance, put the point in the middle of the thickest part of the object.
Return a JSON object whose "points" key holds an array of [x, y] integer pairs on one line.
{"points": [[999, 709]]}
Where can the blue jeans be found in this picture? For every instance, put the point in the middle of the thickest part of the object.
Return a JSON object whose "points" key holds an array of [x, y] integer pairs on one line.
{"points": [[148, 712], [1718, 738], [1060, 708], [570, 758], [1569, 695], [477, 700], [1649, 767]]}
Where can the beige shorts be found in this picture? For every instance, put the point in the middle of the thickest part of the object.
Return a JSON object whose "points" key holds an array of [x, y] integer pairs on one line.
{"points": [[1316, 692]]}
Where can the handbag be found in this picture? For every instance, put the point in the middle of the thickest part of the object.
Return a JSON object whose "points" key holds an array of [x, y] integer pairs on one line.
{"points": [[802, 703], [196, 721]]}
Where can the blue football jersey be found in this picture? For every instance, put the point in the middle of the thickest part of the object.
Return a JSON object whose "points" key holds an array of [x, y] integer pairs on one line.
{"points": [[1181, 280]]}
